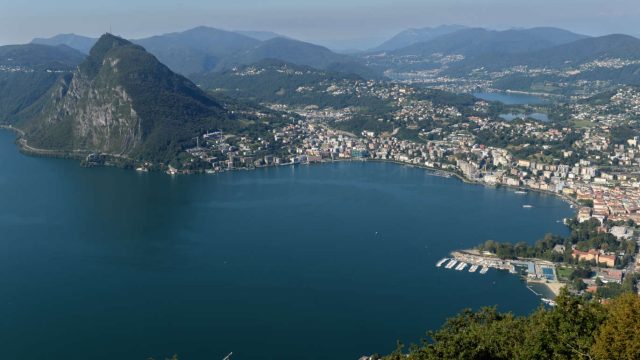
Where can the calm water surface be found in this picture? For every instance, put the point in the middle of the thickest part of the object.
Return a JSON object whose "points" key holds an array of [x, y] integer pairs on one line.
{"points": [[510, 98], [312, 262]]}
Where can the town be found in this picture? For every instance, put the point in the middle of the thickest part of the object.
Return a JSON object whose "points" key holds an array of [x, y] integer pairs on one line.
{"points": [[590, 161]]}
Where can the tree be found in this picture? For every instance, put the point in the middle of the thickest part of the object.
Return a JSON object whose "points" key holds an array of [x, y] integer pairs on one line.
{"points": [[619, 336]]}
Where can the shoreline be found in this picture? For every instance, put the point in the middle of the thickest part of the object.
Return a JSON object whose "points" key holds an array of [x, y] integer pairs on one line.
{"points": [[80, 154]]}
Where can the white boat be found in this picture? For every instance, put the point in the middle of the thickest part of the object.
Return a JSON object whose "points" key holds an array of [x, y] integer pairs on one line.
{"points": [[473, 268], [520, 192], [451, 263], [484, 270], [461, 266], [441, 262], [527, 206], [549, 302]]}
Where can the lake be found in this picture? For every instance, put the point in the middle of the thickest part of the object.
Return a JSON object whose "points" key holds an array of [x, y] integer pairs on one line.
{"points": [[328, 261], [511, 98]]}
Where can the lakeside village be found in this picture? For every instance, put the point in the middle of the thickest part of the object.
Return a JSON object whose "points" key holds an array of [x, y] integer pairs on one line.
{"points": [[585, 165]]}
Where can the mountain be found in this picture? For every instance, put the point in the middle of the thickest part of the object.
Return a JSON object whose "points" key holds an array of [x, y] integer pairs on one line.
{"points": [[276, 81], [39, 57], [561, 56], [196, 50], [299, 53], [582, 51], [78, 42], [413, 36], [27, 72], [261, 35], [122, 100], [477, 41]]}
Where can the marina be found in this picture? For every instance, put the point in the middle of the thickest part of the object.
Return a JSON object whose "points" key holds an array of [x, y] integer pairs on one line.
{"points": [[442, 261], [533, 271]]}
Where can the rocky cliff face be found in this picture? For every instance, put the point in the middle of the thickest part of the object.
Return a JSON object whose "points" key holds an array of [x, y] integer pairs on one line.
{"points": [[121, 100], [101, 114]]}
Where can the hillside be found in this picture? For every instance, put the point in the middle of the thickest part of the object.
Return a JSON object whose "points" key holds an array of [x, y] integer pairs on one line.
{"points": [[299, 53], [78, 42], [39, 57], [260, 35], [276, 81], [575, 329], [27, 72], [122, 100], [413, 36], [196, 50], [475, 42]]}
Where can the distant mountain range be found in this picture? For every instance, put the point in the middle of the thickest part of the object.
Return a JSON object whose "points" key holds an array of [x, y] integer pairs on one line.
{"points": [[571, 54], [413, 36], [78, 42], [204, 49], [477, 41]]}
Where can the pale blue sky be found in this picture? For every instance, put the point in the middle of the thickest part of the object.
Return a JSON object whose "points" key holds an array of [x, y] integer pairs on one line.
{"points": [[335, 23]]}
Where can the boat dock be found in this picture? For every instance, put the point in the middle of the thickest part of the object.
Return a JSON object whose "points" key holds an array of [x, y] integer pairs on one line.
{"points": [[476, 262], [442, 261]]}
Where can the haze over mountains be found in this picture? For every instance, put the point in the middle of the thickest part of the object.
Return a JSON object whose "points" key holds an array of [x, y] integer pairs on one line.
{"points": [[470, 42], [204, 49], [413, 36]]}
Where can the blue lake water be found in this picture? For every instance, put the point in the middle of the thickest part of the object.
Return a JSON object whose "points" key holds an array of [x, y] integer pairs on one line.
{"points": [[510, 98], [312, 262]]}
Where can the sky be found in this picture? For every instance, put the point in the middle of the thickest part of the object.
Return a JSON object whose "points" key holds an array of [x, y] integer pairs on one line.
{"points": [[339, 24]]}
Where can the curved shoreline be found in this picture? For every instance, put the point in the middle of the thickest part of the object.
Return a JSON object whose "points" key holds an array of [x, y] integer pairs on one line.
{"points": [[80, 154]]}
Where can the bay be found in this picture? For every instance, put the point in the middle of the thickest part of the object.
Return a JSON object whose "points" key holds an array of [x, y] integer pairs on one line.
{"points": [[328, 261]]}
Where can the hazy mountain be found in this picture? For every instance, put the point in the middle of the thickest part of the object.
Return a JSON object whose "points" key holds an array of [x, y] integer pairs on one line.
{"points": [[277, 81], [413, 36], [261, 35], [299, 53], [196, 50], [27, 72], [78, 42], [40, 57], [560, 56], [122, 100], [475, 42]]}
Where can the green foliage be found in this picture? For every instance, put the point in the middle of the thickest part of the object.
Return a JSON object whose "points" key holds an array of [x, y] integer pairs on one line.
{"points": [[619, 336], [172, 110], [570, 330]]}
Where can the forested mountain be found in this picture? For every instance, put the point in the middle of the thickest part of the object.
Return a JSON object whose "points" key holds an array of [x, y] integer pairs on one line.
{"points": [[280, 82], [299, 53], [39, 57], [122, 100], [413, 36], [27, 72], [560, 56], [197, 50], [260, 35], [477, 41], [78, 42]]}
